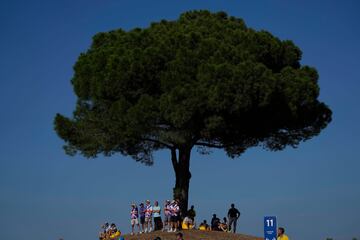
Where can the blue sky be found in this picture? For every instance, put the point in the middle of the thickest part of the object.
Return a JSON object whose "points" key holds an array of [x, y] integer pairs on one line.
{"points": [[314, 190]]}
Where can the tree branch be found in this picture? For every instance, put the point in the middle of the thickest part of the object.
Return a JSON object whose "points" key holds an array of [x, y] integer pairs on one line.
{"points": [[209, 145], [159, 142]]}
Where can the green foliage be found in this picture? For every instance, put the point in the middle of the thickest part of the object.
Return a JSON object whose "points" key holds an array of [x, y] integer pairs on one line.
{"points": [[204, 80]]}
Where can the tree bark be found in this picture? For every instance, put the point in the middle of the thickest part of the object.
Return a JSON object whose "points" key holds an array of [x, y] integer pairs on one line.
{"points": [[181, 166]]}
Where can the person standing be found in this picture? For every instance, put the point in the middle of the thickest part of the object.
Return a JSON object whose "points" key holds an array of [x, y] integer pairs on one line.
{"points": [[167, 215], [175, 211], [191, 213], [281, 234], [134, 214], [233, 216], [142, 217], [157, 217], [148, 217]]}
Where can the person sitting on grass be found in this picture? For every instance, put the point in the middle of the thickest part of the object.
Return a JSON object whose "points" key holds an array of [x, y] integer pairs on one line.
{"points": [[106, 231], [223, 225], [114, 233], [188, 223], [204, 226], [215, 221], [109, 232], [102, 235]]}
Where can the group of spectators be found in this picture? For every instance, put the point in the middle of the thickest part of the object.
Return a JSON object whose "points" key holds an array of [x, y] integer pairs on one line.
{"points": [[142, 218], [109, 232], [144, 215], [227, 225], [215, 225]]}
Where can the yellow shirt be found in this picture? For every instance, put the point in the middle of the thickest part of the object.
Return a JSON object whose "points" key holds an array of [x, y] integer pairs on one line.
{"points": [[202, 228], [283, 237]]}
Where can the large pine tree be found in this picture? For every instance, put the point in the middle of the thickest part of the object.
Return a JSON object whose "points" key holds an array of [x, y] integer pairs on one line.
{"points": [[205, 80]]}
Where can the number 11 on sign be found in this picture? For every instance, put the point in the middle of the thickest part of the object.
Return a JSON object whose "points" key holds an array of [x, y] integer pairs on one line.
{"points": [[270, 229]]}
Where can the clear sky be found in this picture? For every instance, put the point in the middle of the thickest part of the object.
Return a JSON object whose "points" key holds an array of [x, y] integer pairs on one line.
{"points": [[314, 190]]}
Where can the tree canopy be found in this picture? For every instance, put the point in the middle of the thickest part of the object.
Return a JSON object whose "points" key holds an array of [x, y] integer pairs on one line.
{"points": [[204, 80]]}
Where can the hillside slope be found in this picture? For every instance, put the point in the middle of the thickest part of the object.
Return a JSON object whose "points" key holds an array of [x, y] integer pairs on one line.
{"points": [[192, 235]]}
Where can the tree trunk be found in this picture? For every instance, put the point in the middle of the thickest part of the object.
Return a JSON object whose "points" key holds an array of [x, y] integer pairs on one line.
{"points": [[181, 166]]}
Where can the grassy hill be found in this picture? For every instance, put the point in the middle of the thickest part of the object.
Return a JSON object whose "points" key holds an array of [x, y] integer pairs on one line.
{"points": [[192, 235]]}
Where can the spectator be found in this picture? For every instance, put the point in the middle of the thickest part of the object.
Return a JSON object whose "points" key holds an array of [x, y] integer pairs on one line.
{"points": [[223, 225], [111, 233], [191, 213], [113, 227], [180, 215], [215, 221], [233, 216], [167, 215], [142, 217], [148, 217], [188, 223], [175, 211], [157, 216], [102, 233], [134, 214], [281, 234], [204, 226], [106, 227]]}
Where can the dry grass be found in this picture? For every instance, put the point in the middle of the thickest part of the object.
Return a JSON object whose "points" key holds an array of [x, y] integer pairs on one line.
{"points": [[192, 235]]}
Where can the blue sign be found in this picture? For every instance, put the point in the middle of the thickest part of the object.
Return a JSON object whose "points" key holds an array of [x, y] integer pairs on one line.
{"points": [[270, 229]]}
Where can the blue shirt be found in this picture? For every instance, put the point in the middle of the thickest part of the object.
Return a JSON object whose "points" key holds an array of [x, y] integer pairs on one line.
{"points": [[142, 212]]}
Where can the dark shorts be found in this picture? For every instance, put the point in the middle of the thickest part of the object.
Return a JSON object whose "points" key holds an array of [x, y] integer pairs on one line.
{"points": [[174, 218], [158, 223], [142, 219]]}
